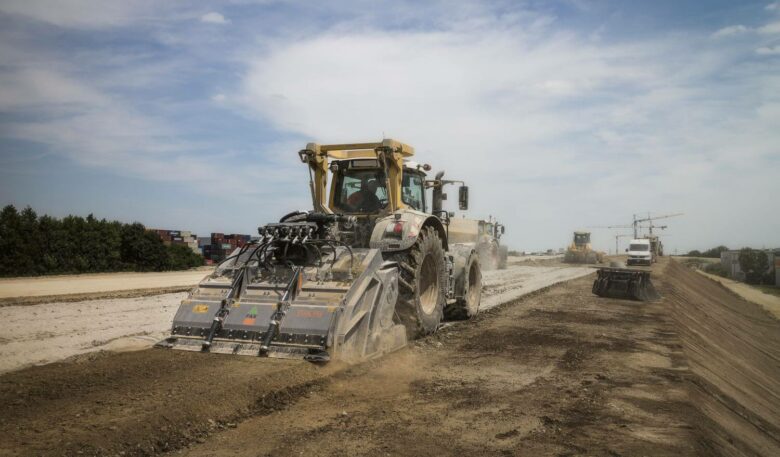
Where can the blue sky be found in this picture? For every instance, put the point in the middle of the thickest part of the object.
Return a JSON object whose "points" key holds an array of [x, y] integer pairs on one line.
{"points": [[560, 115]]}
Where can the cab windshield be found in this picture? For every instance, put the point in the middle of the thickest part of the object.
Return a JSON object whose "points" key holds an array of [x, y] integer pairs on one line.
{"points": [[639, 247], [360, 191]]}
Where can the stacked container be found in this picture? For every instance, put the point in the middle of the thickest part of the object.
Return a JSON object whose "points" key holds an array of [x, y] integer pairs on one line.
{"points": [[222, 245], [183, 237]]}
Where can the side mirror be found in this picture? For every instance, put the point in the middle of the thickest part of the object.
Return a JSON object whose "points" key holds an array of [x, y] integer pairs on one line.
{"points": [[626, 249], [502, 230], [443, 196], [463, 198]]}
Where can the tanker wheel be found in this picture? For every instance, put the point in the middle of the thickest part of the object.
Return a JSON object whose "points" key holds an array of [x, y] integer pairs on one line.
{"points": [[423, 276], [494, 257], [470, 283], [503, 254]]}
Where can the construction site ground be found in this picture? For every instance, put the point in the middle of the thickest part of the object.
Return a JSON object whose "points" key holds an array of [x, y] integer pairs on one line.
{"points": [[70, 288], [557, 371], [47, 332]]}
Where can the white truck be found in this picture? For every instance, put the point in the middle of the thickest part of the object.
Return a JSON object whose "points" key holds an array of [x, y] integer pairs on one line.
{"points": [[640, 253]]}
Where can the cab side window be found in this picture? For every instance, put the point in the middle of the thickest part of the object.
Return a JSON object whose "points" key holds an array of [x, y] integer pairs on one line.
{"points": [[413, 192]]}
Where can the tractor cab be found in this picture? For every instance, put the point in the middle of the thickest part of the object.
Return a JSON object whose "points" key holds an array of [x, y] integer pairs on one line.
{"points": [[360, 187], [369, 182]]}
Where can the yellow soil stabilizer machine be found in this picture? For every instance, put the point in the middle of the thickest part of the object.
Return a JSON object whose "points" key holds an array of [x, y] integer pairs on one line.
{"points": [[364, 271], [580, 250], [618, 281]]}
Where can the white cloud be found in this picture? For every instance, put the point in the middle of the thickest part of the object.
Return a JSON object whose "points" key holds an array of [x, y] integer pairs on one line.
{"points": [[772, 28], [730, 31], [768, 50], [773, 7], [557, 122], [214, 18], [81, 122], [218, 98]]}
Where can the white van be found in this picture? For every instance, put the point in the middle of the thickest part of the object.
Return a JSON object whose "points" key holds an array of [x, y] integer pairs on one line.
{"points": [[639, 253]]}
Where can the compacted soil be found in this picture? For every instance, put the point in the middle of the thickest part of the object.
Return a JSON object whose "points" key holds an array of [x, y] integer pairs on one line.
{"points": [[558, 372], [70, 288], [35, 334]]}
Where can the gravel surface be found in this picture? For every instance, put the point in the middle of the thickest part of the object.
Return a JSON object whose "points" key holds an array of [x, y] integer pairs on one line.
{"points": [[44, 333], [87, 286]]}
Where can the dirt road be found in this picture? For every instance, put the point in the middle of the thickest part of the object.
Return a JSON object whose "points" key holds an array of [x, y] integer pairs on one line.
{"points": [[44, 333], [560, 372], [19, 291]]}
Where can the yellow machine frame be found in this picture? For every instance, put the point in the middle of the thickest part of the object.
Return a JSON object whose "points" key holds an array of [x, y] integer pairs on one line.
{"points": [[389, 153]]}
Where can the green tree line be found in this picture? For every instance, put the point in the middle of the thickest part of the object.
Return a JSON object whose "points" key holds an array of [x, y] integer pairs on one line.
{"points": [[754, 263], [33, 245], [713, 253]]}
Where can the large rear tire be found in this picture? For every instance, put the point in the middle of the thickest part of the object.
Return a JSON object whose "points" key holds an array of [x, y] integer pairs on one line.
{"points": [[423, 278], [469, 284]]}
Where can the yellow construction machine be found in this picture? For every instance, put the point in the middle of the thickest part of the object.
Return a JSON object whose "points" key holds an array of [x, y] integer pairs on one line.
{"points": [[580, 250], [369, 267]]}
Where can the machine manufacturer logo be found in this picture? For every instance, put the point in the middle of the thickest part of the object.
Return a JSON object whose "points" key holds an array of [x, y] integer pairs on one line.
{"points": [[250, 317]]}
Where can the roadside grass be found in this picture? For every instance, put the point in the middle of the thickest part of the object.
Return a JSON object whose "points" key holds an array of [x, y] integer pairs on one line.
{"points": [[771, 290]]}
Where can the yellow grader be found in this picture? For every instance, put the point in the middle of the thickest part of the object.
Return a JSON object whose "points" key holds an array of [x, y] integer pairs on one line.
{"points": [[369, 267], [580, 250]]}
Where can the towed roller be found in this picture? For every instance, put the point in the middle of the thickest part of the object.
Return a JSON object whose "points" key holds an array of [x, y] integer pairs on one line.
{"points": [[625, 283]]}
